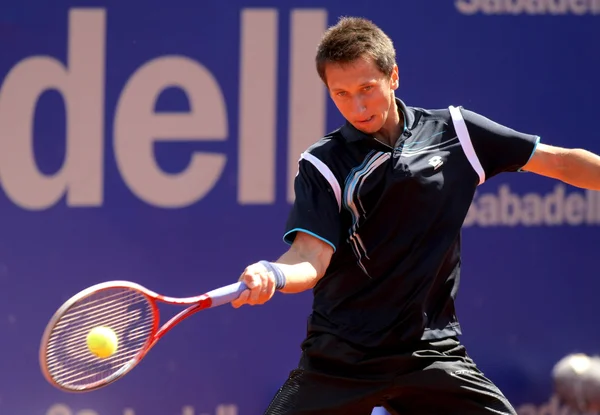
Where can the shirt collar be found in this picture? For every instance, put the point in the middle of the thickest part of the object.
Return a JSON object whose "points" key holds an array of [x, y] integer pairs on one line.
{"points": [[350, 133]]}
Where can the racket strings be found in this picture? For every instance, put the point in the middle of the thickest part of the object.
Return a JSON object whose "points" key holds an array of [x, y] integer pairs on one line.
{"points": [[125, 311]]}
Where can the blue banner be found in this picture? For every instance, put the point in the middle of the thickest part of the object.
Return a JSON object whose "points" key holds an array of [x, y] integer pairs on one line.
{"points": [[157, 142]]}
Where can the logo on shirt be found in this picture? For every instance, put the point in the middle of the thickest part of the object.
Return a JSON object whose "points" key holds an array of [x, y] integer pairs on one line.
{"points": [[436, 162]]}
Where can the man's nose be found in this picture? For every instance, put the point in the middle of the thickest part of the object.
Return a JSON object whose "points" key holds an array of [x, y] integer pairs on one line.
{"points": [[359, 106]]}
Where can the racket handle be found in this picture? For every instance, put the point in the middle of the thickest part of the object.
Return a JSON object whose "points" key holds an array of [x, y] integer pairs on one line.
{"points": [[226, 294]]}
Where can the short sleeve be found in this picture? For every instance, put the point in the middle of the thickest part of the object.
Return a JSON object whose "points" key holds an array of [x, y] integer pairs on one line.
{"points": [[498, 148], [316, 208]]}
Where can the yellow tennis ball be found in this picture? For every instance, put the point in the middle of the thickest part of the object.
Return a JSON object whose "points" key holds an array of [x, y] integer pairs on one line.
{"points": [[102, 342]]}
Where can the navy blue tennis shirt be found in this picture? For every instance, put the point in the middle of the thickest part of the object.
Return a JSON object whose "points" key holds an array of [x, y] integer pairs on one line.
{"points": [[394, 218]]}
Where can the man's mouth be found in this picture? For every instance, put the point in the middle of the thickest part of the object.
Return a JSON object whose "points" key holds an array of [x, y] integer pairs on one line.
{"points": [[365, 120]]}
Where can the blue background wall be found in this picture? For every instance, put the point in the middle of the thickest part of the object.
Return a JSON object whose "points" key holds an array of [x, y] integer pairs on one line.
{"points": [[156, 141]]}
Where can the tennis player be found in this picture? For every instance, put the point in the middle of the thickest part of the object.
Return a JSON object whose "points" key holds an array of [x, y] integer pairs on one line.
{"points": [[375, 233]]}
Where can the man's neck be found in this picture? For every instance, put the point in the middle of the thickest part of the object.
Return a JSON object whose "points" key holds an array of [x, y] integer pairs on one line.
{"points": [[393, 127]]}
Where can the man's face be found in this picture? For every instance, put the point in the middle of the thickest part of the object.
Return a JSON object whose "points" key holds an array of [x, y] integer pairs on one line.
{"points": [[362, 93]]}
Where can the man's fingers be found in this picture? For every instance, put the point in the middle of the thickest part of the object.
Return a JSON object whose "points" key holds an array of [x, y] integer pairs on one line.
{"points": [[257, 293], [261, 287], [241, 300]]}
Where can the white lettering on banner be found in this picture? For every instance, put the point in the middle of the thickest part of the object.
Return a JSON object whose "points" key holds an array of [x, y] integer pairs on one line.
{"points": [[258, 76], [81, 83], [137, 126], [307, 98], [531, 7], [532, 209], [258, 107], [62, 409], [552, 407], [59, 409]]}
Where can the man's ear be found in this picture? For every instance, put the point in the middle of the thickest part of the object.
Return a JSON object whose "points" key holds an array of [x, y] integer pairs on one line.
{"points": [[395, 78]]}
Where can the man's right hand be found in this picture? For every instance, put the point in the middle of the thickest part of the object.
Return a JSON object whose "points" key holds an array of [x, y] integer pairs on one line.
{"points": [[261, 286], [303, 265]]}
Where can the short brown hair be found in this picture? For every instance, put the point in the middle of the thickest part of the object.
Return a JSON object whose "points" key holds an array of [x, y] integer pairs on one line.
{"points": [[353, 38]]}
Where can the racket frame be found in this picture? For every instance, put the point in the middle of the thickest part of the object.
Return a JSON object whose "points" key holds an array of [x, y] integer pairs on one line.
{"points": [[195, 304]]}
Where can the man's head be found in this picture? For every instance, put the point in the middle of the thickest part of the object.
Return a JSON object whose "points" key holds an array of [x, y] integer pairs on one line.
{"points": [[357, 62]]}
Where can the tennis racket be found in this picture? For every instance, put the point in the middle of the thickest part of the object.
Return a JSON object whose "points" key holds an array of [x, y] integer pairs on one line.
{"points": [[131, 312]]}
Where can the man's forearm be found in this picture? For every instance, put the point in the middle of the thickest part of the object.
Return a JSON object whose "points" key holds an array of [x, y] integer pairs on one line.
{"points": [[581, 168], [301, 271]]}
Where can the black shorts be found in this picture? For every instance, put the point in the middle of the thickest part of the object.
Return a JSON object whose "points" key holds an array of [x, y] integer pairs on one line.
{"points": [[334, 378]]}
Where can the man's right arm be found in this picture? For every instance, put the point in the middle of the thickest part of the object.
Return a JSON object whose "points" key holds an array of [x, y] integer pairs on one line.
{"points": [[303, 265], [312, 230]]}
